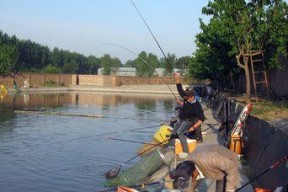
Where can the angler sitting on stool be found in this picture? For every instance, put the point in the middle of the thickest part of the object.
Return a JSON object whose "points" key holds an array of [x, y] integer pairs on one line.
{"points": [[190, 117]]}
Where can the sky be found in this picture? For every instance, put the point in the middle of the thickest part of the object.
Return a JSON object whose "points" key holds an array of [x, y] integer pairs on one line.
{"points": [[97, 27]]}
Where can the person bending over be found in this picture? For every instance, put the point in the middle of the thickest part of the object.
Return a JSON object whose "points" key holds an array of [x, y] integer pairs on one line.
{"points": [[213, 161]]}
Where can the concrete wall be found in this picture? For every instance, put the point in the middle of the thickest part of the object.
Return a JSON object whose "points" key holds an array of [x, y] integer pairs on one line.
{"points": [[264, 143], [92, 80], [37, 80]]}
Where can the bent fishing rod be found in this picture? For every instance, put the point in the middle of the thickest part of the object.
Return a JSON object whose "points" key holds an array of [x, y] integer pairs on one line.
{"points": [[167, 60], [150, 32], [144, 61]]}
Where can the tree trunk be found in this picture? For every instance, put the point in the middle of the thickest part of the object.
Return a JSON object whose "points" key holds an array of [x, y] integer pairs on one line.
{"points": [[243, 62], [247, 74], [232, 80]]}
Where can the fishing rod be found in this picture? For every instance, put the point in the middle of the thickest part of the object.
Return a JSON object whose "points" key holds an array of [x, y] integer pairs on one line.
{"points": [[276, 164], [167, 60], [110, 133], [142, 131], [151, 32], [144, 61], [115, 171], [131, 141], [211, 126]]}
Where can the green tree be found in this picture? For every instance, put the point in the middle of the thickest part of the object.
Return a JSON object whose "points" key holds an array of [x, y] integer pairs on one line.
{"points": [[130, 63], [56, 58], [32, 55], [83, 67], [94, 64], [51, 69], [71, 67], [211, 59], [183, 63], [8, 57], [115, 64], [153, 63], [169, 64], [236, 28], [270, 26], [140, 64], [106, 64]]}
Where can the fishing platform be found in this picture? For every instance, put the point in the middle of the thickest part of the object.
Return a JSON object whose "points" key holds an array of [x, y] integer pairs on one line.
{"points": [[211, 135]]}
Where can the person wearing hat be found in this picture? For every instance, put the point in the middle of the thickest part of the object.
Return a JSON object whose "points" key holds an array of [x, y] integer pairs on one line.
{"points": [[190, 117], [211, 161]]}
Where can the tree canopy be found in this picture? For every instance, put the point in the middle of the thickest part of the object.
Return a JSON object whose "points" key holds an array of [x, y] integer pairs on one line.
{"points": [[239, 26], [27, 56]]}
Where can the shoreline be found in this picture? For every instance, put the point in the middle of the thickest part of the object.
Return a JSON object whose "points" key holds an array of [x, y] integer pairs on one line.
{"points": [[147, 89]]}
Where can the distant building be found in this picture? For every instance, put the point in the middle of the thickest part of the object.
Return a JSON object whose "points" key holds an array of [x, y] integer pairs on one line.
{"points": [[122, 71], [131, 71]]}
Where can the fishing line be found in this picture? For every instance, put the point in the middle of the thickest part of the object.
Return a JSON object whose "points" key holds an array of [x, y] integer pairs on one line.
{"points": [[150, 32], [131, 141], [143, 60], [61, 143], [109, 133], [152, 35], [142, 132]]}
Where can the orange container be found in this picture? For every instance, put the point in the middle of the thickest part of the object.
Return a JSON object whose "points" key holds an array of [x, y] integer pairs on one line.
{"points": [[236, 144], [262, 190], [178, 146]]}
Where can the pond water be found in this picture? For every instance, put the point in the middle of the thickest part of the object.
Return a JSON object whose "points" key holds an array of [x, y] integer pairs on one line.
{"points": [[51, 142]]}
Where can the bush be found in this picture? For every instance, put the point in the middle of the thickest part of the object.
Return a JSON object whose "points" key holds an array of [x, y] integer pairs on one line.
{"points": [[52, 83]]}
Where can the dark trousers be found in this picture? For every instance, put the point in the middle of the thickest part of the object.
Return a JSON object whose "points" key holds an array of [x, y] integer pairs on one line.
{"points": [[197, 134]]}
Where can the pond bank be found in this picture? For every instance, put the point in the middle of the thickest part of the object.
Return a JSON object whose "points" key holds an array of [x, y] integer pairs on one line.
{"points": [[151, 89], [264, 143]]}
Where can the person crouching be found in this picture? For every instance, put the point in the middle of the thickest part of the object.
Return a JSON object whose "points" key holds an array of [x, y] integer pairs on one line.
{"points": [[208, 161]]}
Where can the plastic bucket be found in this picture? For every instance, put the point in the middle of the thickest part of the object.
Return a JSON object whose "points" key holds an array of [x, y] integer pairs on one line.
{"points": [[163, 134]]}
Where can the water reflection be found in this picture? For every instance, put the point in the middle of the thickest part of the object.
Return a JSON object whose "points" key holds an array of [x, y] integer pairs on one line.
{"points": [[31, 100], [41, 152]]}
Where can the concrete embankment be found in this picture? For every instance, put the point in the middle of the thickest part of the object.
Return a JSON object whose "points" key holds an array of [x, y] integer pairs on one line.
{"points": [[265, 144]]}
